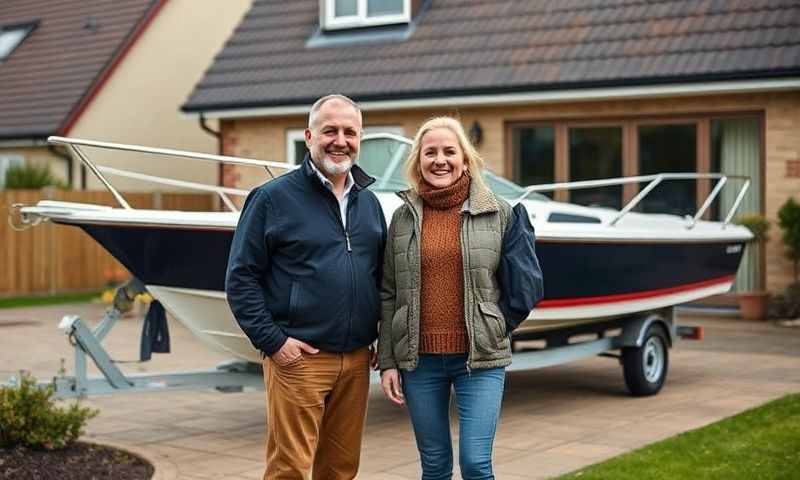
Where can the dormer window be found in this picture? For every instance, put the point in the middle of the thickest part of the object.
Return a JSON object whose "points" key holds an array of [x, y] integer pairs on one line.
{"points": [[340, 14], [11, 36]]}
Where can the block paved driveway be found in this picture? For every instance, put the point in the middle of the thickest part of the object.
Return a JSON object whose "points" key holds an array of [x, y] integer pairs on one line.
{"points": [[554, 420]]}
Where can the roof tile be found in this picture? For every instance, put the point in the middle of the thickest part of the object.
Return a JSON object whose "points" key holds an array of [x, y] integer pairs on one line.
{"points": [[462, 46], [54, 67]]}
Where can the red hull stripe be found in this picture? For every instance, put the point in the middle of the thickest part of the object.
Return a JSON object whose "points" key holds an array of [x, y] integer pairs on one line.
{"points": [[581, 301]]}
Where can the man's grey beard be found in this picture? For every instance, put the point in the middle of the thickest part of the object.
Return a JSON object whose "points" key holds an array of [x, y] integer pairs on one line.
{"points": [[334, 169]]}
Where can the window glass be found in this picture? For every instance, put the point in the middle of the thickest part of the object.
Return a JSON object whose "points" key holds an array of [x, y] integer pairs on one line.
{"points": [[534, 155], [384, 7], [295, 146], [595, 153], [669, 149], [346, 8], [299, 151], [9, 39]]}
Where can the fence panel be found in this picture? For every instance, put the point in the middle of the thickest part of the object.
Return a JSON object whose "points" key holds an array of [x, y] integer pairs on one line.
{"points": [[57, 258]]}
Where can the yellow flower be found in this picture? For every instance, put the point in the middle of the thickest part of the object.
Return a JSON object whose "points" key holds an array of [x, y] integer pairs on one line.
{"points": [[144, 298]]}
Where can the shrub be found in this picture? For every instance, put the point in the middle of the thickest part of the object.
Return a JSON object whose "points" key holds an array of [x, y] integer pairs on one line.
{"points": [[789, 221], [786, 304], [29, 177], [757, 224], [29, 417]]}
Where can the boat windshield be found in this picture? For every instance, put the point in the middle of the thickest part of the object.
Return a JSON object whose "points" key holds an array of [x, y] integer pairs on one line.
{"points": [[384, 158]]}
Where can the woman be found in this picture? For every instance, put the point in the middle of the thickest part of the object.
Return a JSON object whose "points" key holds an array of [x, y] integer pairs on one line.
{"points": [[460, 273]]}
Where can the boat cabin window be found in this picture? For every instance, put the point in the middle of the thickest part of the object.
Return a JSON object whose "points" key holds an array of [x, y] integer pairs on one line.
{"points": [[559, 217], [385, 158]]}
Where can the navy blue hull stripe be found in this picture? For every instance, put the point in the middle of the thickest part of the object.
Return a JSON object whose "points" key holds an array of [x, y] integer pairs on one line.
{"points": [[198, 259]]}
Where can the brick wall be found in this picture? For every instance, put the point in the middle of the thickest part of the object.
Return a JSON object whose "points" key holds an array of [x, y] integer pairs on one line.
{"points": [[782, 147], [266, 139]]}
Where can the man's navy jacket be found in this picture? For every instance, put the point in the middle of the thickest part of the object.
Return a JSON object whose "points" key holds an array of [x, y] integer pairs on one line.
{"points": [[295, 271]]}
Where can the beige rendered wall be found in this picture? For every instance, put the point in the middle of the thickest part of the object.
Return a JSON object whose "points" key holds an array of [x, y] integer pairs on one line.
{"points": [[266, 138], [140, 103]]}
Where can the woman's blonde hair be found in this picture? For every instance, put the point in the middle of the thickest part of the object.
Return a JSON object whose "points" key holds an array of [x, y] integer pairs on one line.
{"points": [[473, 163]]}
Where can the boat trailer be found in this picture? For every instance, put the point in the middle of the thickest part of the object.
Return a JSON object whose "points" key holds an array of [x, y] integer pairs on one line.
{"points": [[643, 341], [231, 376]]}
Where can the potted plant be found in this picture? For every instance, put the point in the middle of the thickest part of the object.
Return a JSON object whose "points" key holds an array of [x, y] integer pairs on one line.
{"points": [[753, 305]]}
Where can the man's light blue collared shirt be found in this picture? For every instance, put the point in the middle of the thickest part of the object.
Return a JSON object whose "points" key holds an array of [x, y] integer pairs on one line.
{"points": [[348, 184]]}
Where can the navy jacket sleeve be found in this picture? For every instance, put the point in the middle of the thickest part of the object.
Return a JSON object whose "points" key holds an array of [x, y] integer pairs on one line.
{"points": [[519, 274], [248, 260]]}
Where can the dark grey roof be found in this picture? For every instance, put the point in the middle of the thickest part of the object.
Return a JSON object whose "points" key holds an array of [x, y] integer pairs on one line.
{"points": [[479, 46], [53, 69]]}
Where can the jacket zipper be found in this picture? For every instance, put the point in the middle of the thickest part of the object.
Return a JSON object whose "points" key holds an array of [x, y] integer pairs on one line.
{"points": [[418, 271], [465, 272], [337, 213], [352, 268]]}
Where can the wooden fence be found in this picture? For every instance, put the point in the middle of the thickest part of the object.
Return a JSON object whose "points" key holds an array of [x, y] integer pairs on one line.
{"points": [[52, 258]]}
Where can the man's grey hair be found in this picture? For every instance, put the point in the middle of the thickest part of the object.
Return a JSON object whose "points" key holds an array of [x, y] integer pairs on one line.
{"points": [[312, 114]]}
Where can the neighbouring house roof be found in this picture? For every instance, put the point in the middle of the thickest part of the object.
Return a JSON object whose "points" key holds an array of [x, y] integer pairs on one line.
{"points": [[55, 71], [479, 47]]}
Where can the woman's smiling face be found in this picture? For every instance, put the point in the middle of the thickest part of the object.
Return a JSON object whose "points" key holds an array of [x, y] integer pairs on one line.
{"points": [[441, 159]]}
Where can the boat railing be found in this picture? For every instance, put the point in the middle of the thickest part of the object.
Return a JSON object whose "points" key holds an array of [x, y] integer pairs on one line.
{"points": [[75, 144], [653, 182]]}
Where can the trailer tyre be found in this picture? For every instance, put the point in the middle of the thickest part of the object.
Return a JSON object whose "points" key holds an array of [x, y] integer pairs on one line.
{"points": [[645, 368]]}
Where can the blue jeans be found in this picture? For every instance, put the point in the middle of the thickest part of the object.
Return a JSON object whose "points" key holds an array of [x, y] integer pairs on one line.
{"points": [[479, 394]]}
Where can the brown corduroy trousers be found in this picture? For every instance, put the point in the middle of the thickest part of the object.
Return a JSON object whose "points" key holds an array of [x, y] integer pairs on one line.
{"points": [[316, 408]]}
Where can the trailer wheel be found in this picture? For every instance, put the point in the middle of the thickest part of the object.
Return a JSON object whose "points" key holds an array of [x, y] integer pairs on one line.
{"points": [[645, 368]]}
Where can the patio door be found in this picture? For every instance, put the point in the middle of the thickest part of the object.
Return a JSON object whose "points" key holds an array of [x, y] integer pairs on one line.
{"points": [[562, 150]]}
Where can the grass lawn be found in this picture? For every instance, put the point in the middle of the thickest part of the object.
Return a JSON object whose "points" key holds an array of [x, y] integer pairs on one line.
{"points": [[14, 302], [762, 443]]}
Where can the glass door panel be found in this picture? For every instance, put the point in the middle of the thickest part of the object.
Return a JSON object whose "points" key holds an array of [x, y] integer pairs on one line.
{"points": [[596, 153], [669, 149], [534, 155]]}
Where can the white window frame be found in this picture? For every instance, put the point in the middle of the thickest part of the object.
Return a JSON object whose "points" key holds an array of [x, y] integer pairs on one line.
{"points": [[296, 134], [360, 19], [293, 135], [7, 161]]}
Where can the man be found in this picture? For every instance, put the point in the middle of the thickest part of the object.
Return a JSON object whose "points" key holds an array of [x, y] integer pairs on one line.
{"points": [[303, 277]]}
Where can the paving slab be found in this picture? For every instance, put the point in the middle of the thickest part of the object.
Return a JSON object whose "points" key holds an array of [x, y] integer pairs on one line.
{"points": [[554, 420]]}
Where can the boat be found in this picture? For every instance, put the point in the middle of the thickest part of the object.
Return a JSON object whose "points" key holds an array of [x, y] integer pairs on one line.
{"points": [[598, 263]]}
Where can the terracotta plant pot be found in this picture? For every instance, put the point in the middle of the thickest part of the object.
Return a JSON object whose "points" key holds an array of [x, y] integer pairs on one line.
{"points": [[753, 305]]}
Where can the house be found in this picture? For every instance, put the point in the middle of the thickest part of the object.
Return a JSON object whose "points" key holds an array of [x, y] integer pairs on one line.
{"points": [[551, 90], [115, 71]]}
